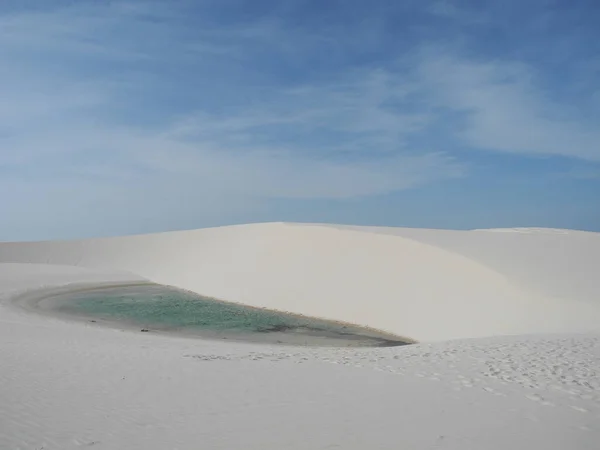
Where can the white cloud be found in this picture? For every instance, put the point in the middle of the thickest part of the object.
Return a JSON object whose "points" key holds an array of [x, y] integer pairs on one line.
{"points": [[505, 109], [78, 112], [297, 142]]}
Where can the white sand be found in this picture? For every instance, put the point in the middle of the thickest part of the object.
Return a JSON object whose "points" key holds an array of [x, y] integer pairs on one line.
{"points": [[68, 385], [424, 284]]}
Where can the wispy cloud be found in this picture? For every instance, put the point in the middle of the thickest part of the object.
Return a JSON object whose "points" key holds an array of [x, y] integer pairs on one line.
{"points": [[294, 142], [505, 109], [144, 101]]}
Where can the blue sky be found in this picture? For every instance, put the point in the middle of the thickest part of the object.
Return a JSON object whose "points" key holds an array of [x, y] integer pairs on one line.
{"points": [[122, 117]]}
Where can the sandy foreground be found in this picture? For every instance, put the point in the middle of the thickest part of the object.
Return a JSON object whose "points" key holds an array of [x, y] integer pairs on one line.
{"points": [[508, 320]]}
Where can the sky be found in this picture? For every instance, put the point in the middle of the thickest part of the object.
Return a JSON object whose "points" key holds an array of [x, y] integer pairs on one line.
{"points": [[126, 117]]}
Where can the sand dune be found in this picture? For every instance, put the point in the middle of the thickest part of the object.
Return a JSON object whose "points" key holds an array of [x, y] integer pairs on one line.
{"points": [[68, 384], [423, 284], [555, 263]]}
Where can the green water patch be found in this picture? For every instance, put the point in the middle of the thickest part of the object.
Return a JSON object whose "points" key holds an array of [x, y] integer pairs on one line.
{"points": [[163, 309]]}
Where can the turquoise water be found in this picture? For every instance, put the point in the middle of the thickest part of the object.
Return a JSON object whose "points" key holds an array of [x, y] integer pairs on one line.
{"points": [[160, 308]]}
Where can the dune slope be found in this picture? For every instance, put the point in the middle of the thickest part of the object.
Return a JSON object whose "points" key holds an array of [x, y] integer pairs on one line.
{"points": [[67, 385], [426, 285]]}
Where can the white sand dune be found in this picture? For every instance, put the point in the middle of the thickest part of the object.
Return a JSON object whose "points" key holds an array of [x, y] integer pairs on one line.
{"points": [[423, 284], [67, 385]]}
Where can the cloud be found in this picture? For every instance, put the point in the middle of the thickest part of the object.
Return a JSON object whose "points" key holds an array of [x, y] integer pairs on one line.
{"points": [[504, 108], [161, 107], [298, 141]]}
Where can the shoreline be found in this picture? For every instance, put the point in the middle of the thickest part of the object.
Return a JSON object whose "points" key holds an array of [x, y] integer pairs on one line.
{"points": [[46, 301]]}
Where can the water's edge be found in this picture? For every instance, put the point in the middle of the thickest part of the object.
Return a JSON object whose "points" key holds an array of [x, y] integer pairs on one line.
{"points": [[51, 302]]}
